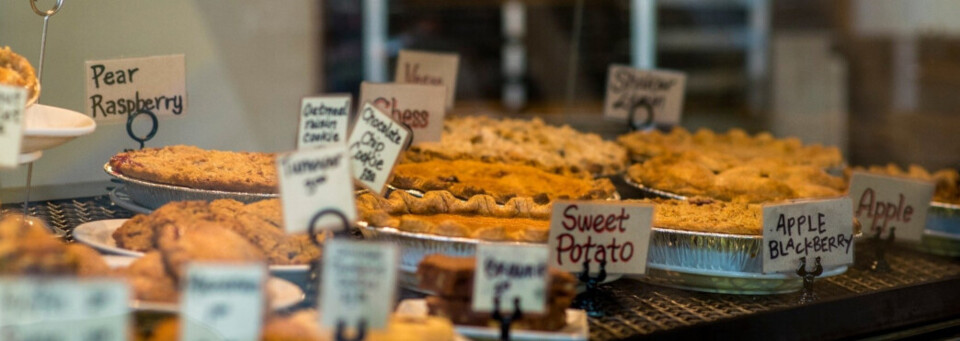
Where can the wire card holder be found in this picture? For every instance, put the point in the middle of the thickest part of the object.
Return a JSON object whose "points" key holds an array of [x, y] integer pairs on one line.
{"points": [[589, 299]]}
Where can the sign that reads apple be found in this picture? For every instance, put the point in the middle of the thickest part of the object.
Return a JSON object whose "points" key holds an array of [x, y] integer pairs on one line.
{"points": [[883, 202], [431, 68], [656, 95], [323, 121], [419, 107], [12, 101], [375, 144], [596, 231], [511, 272], [315, 180], [820, 228]]}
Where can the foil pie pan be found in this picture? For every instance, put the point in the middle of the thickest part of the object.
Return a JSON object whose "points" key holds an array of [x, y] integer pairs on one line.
{"points": [[152, 195], [419, 193], [942, 235], [652, 192]]}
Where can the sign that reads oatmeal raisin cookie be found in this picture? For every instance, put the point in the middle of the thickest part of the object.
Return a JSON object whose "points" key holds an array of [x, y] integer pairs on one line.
{"points": [[222, 301], [359, 282], [885, 202], [510, 272], [375, 144], [595, 231], [117, 88], [12, 101], [64, 309], [430, 68], [811, 229], [313, 181], [652, 95], [420, 107], [323, 121]]}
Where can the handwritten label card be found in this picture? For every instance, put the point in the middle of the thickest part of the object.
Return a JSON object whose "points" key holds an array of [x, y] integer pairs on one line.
{"points": [[884, 201], [420, 107], [119, 87], [811, 229], [375, 144], [430, 68], [359, 282], [12, 102], [315, 180], [222, 301], [616, 232], [323, 121], [640, 91], [64, 309], [509, 272]]}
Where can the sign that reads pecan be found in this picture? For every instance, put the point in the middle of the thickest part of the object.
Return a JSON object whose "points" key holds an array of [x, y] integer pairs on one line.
{"points": [[64, 309], [654, 95], [511, 272], [315, 180], [821, 228], [375, 144], [12, 101], [882, 202], [359, 283], [618, 233], [323, 121], [419, 107], [117, 88], [430, 68], [222, 301]]}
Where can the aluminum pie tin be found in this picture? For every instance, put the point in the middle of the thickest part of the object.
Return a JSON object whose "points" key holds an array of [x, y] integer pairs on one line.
{"points": [[419, 194], [152, 195], [942, 234], [652, 192]]}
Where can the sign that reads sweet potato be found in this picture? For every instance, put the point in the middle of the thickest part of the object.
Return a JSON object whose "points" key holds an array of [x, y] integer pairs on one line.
{"points": [[64, 309], [375, 144], [430, 68], [315, 180], [12, 101], [511, 272], [882, 202], [222, 301], [419, 107], [821, 228], [117, 88], [596, 231], [359, 282], [654, 95], [323, 121]]}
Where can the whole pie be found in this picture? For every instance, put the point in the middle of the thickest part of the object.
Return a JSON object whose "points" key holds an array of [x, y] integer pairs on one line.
{"points": [[193, 167], [947, 180], [15, 70]]}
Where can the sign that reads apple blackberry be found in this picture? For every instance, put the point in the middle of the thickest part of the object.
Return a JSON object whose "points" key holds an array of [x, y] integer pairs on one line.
{"points": [[883, 202], [222, 301], [315, 180], [419, 107], [821, 228], [117, 88], [595, 231], [655, 95], [430, 68], [375, 144], [511, 272], [64, 309], [359, 282], [12, 101], [323, 121]]}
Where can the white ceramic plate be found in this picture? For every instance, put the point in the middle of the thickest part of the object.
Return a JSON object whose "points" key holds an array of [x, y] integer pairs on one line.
{"points": [[46, 127], [577, 327]]}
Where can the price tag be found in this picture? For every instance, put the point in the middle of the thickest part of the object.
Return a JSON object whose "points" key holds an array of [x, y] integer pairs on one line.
{"points": [[117, 88], [222, 301], [359, 283], [12, 102], [420, 107], [64, 309], [617, 232], [323, 121], [655, 96], [511, 272], [430, 68], [312, 181], [884, 201], [811, 229], [375, 144]]}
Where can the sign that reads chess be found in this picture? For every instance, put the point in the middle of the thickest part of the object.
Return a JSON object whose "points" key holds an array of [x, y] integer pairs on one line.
{"points": [[323, 121], [430, 68], [117, 88], [375, 144], [510, 272], [64, 309], [313, 181], [821, 228], [652, 95], [420, 107], [595, 231], [12, 102], [883, 202], [359, 283], [222, 301]]}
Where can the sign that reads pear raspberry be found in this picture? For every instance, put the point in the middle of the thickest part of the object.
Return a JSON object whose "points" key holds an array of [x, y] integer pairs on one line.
{"points": [[222, 301], [323, 121], [117, 88], [315, 180], [359, 283], [375, 144], [821, 228], [430, 68], [511, 272], [883, 202], [656, 95], [64, 309], [12, 102], [596, 231], [420, 107]]}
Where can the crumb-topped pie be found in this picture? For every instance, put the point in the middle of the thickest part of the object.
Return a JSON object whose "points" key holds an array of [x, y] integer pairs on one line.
{"points": [[947, 180], [15, 70], [194, 167]]}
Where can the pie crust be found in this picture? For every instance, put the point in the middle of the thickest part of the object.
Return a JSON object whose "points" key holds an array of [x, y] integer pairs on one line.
{"points": [[193, 167]]}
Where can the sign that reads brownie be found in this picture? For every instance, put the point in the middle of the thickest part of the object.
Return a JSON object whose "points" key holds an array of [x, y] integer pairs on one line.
{"points": [[222, 301], [12, 101], [375, 144], [511, 272], [359, 283], [616, 232], [656, 95], [821, 228], [420, 107], [323, 120], [882, 202], [117, 88], [64, 309], [312, 181], [431, 68]]}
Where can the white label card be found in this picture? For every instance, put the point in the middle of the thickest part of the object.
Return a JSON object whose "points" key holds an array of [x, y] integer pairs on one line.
{"points": [[511, 272], [315, 180], [12, 102], [359, 282], [822, 228], [882, 202], [375, 145], [598, 230], [117, 88], [420, 107], [323, 121], [430, 68], [64, 309], [222, 301], [640, 91]]}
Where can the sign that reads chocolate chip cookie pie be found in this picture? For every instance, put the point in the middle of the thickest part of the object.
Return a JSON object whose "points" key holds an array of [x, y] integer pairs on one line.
{"points": [[431, 68], [884, 202], [653, 96], [117, 88], [323, 120], [12, 101], [419, 107], [64, 309], [597, 231], [375, 144], [508, 273], [222, 301], [315, 181], [359, 283], [811, 229]]}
